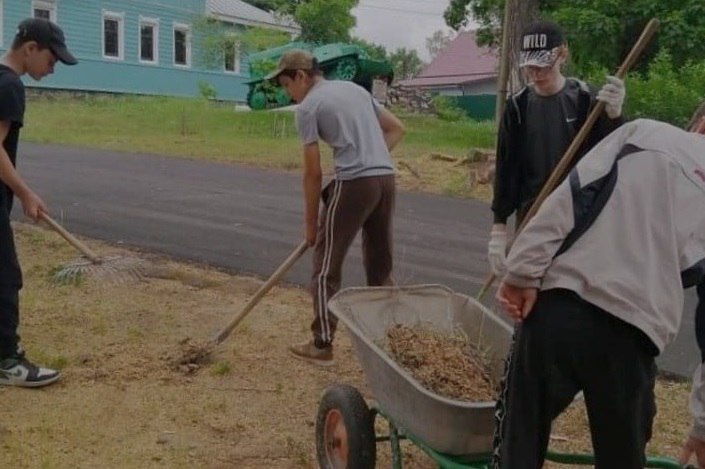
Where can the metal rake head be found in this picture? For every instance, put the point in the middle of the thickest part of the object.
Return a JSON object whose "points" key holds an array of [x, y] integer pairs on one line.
{"points": [[115, 269]]}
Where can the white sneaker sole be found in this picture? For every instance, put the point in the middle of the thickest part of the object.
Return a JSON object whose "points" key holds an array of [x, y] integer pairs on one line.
{"points": [[30, 384]]}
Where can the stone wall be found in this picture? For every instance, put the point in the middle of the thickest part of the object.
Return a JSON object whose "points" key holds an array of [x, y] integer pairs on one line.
{"points": [[411, 99]]}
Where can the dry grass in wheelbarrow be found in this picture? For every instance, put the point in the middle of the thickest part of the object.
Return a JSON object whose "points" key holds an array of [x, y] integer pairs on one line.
{"points": [[443, 362]]}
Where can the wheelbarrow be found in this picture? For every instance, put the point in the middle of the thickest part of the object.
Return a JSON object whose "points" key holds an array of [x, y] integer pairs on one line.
{"points": [[454, 434]]}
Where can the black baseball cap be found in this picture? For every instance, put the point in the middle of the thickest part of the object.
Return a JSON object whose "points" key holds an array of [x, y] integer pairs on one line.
{"points": [[539, 44], [46, 34]]}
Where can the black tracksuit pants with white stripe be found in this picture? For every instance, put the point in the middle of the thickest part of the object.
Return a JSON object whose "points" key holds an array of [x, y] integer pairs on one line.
{"points": [[564, 346], [365, 204]]}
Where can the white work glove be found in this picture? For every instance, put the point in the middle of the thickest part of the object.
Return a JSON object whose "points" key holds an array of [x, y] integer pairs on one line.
{"points": [[497, 252], [612, 94]]}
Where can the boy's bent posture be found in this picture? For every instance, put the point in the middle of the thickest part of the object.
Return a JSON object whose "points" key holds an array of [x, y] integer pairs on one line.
{"points": [[596, 280], [361, 197], [37, 46]]}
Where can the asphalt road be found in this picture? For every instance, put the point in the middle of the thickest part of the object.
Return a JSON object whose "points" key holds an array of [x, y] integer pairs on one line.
{"points": [[247, 220]]}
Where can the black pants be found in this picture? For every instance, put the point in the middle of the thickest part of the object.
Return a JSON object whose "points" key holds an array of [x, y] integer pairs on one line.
{"points": [[10, 281], [567, 345]]}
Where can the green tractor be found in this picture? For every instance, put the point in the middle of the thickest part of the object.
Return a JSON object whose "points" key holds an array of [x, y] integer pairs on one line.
{"points": [[338, 61]]}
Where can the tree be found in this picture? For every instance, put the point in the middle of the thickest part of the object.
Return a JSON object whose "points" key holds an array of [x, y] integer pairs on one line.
{"points": [[600, 32], [437, 41], [267, 5], [375, 51], [216, 39], [406, 63], [255, 39], [288, 7], [325, 21], [321, 21]]}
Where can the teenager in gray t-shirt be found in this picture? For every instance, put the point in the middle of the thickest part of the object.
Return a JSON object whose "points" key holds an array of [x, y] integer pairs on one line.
{"points": [[358, 145], [361, 197]]}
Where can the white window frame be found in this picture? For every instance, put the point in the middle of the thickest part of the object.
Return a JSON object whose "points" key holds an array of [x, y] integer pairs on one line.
{"points": [[49, 5], [185, 28], [154, 23], [120, 18], [236, 63]]}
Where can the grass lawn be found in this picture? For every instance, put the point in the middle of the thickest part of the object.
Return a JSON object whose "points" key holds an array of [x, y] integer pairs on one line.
{"points": [[195, 128]]}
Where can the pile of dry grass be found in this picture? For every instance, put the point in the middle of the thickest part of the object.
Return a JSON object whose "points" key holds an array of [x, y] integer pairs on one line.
{"points": [[445, 363], [191, 356]]}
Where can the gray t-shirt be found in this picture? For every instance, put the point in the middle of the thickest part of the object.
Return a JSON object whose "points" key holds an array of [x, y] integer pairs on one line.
{"points": [[344, 115]]}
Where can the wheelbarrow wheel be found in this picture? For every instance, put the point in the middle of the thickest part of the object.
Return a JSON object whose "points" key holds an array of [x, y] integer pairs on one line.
{"points": [[345, 434]]}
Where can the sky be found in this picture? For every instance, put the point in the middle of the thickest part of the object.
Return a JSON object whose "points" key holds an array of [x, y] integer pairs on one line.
{"points": [[400, 23]]}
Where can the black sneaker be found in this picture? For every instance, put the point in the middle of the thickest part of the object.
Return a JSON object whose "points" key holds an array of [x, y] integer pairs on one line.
{"points": [[18, 371]]}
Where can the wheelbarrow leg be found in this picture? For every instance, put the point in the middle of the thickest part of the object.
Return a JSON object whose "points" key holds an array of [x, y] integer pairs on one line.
{"points": [[394, 443]]}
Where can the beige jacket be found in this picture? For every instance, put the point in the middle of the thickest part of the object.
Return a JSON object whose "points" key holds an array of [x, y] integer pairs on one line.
{"points": [[626, 232]]}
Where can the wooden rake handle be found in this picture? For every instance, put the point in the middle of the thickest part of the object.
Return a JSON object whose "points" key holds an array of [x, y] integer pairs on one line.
{"points": [[569, 155], [259, 294], [75, 242]]}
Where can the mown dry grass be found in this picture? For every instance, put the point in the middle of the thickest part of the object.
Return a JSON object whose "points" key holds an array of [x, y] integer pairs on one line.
{"points": [[120, 405]]}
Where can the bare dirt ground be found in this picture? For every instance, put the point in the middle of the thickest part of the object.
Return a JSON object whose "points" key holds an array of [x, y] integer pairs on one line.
{"points": [[120, 405]]}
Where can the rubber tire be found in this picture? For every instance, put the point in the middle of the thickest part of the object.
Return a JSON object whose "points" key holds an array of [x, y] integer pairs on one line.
{"points": [[359, 426]]}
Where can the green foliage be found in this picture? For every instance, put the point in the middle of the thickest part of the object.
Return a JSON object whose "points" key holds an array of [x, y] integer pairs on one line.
{"points": [[324, 21], [215, 39], [406, 63], [261, 67], [601, 32], [487, 12], [447, 110], [288, 7], [267, 5], [255, 39], [374, 51], [666, 92], [206, 90], [220, 368]]}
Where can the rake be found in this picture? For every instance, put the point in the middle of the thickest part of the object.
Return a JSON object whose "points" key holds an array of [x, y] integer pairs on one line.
{"points": [[193, 353], [112, 268]]}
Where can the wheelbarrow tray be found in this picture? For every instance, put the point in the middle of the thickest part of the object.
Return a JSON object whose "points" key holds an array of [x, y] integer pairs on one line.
{"points": [[448, 426]]}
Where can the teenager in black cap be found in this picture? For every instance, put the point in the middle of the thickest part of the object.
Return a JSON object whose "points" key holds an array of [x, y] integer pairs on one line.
{"points": [[538, 125], [37, 46]]}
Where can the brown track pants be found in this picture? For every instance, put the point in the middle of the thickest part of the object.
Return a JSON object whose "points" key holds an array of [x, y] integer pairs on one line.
{"points": [[366, 203]]}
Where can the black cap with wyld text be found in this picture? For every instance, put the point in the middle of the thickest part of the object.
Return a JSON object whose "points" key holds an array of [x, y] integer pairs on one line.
{"points": [[539, 44]]}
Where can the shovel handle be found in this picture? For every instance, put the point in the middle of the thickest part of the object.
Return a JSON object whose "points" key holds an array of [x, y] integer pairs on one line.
{"points": [[261, 291], [560, 169], [75, 242]]}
